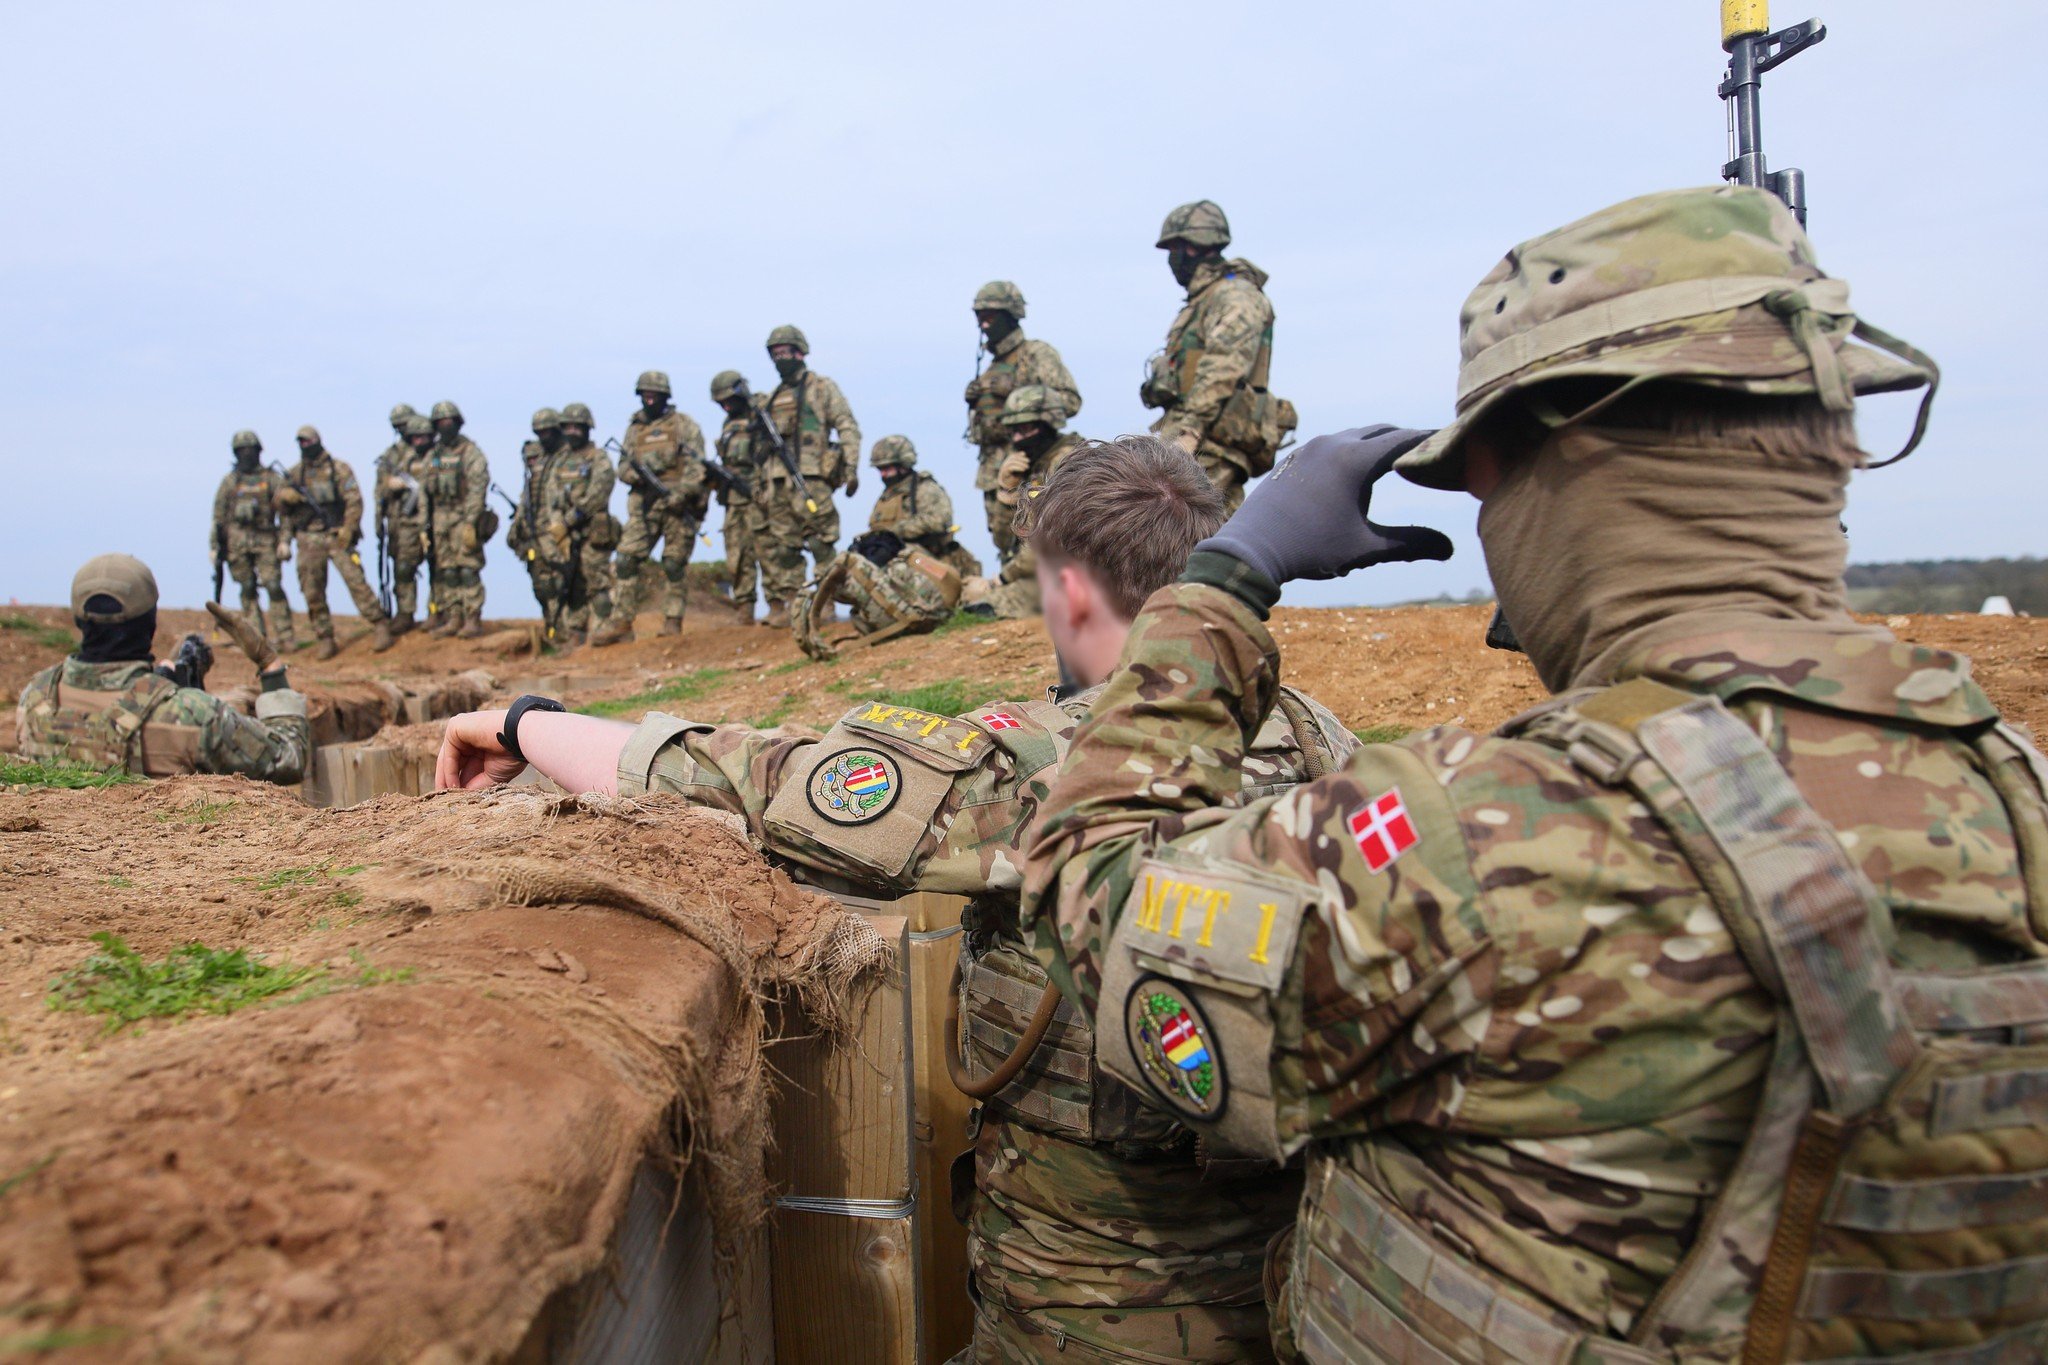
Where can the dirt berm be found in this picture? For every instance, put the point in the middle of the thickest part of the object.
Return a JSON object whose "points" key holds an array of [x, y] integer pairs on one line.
{"points": [[400, 1159]]}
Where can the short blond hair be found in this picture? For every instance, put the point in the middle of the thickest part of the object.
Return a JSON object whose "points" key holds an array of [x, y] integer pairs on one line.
{"points": [[1130, 511]]}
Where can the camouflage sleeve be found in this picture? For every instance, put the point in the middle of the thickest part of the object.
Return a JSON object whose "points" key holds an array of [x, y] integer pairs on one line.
{"points": [[351, 499], [476, 482], [934, 514], [1048, 368], [220, 512], [275, 746], [839, 417], [594, 492], [1232, 328]]}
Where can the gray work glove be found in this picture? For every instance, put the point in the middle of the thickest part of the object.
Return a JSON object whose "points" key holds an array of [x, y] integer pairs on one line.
{"points": [[1308, 518]]}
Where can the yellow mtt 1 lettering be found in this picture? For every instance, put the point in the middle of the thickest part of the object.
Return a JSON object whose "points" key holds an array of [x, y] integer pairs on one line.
{"points": [[1154, 903], [877, 712], [967, 741], [1268, 912], [1180, 907], [1219, 903]]}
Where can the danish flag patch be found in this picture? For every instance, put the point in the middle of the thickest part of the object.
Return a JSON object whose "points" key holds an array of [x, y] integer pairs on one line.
{"points": [[1383, 830], [1000, 720]]}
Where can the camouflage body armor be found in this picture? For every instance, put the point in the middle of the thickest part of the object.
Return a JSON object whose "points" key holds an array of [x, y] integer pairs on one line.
{"points": [[1889, 1202], [1252, 423], [909, 594], [106, 731]]}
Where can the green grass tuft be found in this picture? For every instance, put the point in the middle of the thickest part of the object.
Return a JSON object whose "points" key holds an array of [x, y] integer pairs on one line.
{"points": [[691, 686], [1382, 734], [197, 813], [776, 714], [49, 637], [29, 772], [946, 697], [960, 620], [119, 983]]}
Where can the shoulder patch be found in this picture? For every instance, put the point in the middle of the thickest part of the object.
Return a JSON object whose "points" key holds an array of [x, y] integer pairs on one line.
{"points": [[854, 786], [1174, 1047], [1227, 923], [944, 741]]}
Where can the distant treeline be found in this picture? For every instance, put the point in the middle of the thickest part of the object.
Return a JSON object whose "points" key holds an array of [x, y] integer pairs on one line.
{"points": [[1944, 585]]}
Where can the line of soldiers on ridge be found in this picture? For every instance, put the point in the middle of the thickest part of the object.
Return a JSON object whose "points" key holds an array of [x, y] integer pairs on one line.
{"points": [[774, 467]]}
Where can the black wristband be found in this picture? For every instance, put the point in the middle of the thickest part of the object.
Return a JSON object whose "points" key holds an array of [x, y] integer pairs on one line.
{"points": [[509, 735], [272, 679]]}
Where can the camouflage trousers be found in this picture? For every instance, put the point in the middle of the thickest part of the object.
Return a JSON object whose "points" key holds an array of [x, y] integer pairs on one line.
{"points": [[406, 543], [592, 592], [1082, 1254], [1226, 469], [789, 528], [318, 549], [675, 530], [1015, 601], [743, 531], [456, 573], [252, 562]]}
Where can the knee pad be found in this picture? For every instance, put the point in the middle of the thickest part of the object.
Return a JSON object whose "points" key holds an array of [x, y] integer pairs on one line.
{"points": [[675, 570], [627, 566]]}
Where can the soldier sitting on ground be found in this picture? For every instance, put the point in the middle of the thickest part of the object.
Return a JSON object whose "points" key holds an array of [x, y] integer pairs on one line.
{"points": [[1159, 1246], [1014, 360], [109, 708], [1034, 416], [915, 506], [892, 587]]}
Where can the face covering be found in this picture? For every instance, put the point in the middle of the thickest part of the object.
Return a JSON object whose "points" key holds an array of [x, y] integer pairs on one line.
{"points": [[789, 369], [1182, 262], [1037, 445], [245, 460], [101, 642], [1606, 542]]}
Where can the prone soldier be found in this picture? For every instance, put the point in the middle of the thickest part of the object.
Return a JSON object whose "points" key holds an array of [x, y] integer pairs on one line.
{"points": [[739, 455], [1034, 416], [1014, 360], [1210, 380], [402, 513], [914, 506], [580, 529], [529, 518], [324, 506], [661, 459], [248, 538], [819, 431], [456, 478], [1097, 1231], [1681, 1019], [109, 708]]}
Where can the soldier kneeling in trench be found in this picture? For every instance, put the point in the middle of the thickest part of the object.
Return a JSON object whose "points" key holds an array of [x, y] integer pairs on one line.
{"points": [[108, 707], [1159, 1243]]}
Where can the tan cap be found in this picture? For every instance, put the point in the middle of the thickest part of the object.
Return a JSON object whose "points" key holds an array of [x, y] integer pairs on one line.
{"points": [[309, 433], [124, 578]]}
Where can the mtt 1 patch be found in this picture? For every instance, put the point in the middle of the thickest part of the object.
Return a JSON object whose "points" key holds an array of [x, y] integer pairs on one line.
{"points": [[1383, 830], [854, 786], [1175, 1048]]}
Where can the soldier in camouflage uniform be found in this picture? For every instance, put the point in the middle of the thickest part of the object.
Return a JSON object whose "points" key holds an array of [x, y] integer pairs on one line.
{"points": [[739, 492], [249, 538], [1034, 416], [108, 707], [914, 507], [456, 478], [1014, 360], [1695, 1016], [402, 513], [666, 508], [1210, 380], [333, 490], [529, 517], [892, 588], [1098, 1232], [812, 416], [580, 528]]}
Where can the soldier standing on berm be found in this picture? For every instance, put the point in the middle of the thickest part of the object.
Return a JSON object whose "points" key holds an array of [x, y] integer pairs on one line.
{"points": [[666, 508], [328, 529], [811, 414], [1696, 1014], [1014, 361], [402, 511], [456, 478], [248, 537], [739, 454]]}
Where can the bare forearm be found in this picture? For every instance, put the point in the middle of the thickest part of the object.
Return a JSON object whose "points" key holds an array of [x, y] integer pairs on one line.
{"points": [[576, 753]]}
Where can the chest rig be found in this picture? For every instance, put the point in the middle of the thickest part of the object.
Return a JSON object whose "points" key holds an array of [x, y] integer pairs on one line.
{"points": [[105, 730], [1891, 1201]]}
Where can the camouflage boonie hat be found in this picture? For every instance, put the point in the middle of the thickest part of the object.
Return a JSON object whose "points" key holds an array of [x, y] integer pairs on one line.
{"points": [[401, 414], [546, 419], [1034, 403], [725, 384], [308, 433], [1000, 296], [445, 409], [244, 440], [417, 425], [788, 335], [893, 450], [1200, 224], [124, 578], [653, 381], [1707, 286], [579, 413]]}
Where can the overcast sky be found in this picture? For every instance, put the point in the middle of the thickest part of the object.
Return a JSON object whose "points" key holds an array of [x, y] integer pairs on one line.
{"points": [[223, 216]]}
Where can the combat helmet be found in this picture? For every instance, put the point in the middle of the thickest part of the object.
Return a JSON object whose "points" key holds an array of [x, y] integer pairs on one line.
{"points": [[653, 381], [546, 419], [417, 425], [245, 440], [893, 450], [1034, 403], [446, 409], [1715, 286], [402, 413], [725, 384], [790, 335], [1199, 224], [579, 413], [1000, 296]]}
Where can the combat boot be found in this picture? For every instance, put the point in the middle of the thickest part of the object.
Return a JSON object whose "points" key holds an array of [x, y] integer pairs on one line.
{"points": [[671, 625], [326, 648], [444, 624], [578, 638], [472, 627], [778, 616], [615, 631], [384, 638], [402, 625]]}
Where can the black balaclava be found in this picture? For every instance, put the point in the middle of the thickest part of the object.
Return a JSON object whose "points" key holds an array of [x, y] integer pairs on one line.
{"points": [[115, 642]]}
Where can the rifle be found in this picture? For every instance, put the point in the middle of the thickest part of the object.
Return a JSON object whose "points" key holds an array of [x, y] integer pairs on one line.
{"points": [[220, 557], [758, 417], [511, 505], [720, 478], [188, 668], [384, 597], [1752, 50], [305, 498]]}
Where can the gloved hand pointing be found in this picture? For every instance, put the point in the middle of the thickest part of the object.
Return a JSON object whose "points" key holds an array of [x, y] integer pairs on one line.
{"points": [[1309, 518]]}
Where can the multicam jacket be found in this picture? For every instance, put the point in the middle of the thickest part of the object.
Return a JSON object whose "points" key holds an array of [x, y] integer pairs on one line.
{"points": [[917, 509], [126, 716], [816, 423], [334, 491], [672, 448], [457, 480], [399, 458], [1221, 337], [1014, 361], [1023, 566], [741, 450], [1491, 979], [246, 508], [578, 482]]}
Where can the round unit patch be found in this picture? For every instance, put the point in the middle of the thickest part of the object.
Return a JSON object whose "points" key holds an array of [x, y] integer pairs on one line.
{"points": [[855, 786], [1175, 1047]]}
